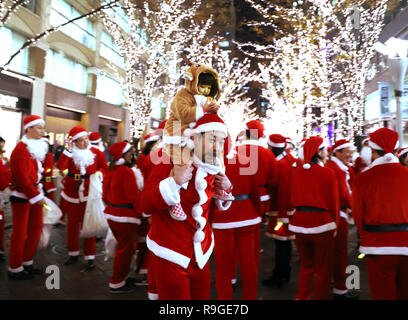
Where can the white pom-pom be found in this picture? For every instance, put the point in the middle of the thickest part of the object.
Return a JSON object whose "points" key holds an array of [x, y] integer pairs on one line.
{"points": [[187, 132], [199, 236], [388, 157], [306, 166], [192, 125], [190, 144], [120, 162]]}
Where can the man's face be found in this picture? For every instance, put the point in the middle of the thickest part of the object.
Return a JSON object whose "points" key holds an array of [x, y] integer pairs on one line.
{"points": [[82, 142], [35, 132], [209, 146], [345, 155]]}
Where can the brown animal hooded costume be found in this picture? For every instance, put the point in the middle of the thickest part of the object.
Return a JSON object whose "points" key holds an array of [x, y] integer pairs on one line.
{"points": [[186, 109]]}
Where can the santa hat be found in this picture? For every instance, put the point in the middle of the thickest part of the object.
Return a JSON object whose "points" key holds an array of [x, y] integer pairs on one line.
{"points": [[402, 151], [151, 137], [77, 132], [208, 122], [289, 140], [162, 125], [384, 139], [256, 128], [342, 144], [366, 139], [330, 150], [117, 150], [95, 137], [32, 120], [311, 146], [277, 141]]}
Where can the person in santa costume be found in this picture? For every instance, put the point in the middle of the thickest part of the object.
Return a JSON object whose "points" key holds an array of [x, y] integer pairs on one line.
{"points": [[122, 187], [263, 165], [95, 140], [27, 199], [235, 231], [314, 194], [149, 141], [81, 160], [380, 212], [181, 249], [342, 154], [281, 203], [403, 156], [5, 177], [363, 161], [48, 165]]}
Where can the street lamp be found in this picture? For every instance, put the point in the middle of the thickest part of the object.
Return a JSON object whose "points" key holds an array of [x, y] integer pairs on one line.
{"points": [[397, 52]]}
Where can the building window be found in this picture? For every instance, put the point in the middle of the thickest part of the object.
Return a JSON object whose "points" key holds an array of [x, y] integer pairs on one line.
{"points": [[110, 51], [31, 5], [81, 30], [11, 42], [64, 72], [119, 16], [109, 90]]}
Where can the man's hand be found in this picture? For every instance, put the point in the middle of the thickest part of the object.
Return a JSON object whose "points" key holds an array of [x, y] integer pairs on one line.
{"points": [[222, 182], [183, 174], [40, 202]]}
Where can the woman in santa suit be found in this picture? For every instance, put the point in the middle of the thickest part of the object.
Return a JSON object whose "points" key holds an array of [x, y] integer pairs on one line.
{"points": [[81, 160], [122, 194], [314, 194], [403, 156], [5, 177]]}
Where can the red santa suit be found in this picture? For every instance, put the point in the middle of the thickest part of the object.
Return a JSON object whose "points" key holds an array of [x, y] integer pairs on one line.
{"points": [[314, 194], [47, 182], [74, 191], [181, 249], [122, 194], [265, 168], [380, 212], [27, 215], [235, 232], [345, 177], [5, 177]]}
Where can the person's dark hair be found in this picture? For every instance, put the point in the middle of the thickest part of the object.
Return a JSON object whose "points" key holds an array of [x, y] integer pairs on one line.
{"points": [[209, 79], [316, 157], [381, 153], [2, 140], [402, 159], [148, 147], [249, 135], [277, 151]]}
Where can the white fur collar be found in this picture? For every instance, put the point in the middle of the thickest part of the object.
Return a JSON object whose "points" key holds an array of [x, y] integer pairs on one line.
{"points": [[139, 177], [82, 158], [37, 148], [386, 159], [251, 142], [208, 168], [340, 164]]}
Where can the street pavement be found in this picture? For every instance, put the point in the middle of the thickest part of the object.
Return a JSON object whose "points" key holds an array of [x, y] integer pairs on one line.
{"points": [[78, 284]]}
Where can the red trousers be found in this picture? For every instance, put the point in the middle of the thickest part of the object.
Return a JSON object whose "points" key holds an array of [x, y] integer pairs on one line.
{"points": [[2, 216], [316, 257], [75, 214], [388, 277], [143, 256], [340, 257], [176, 283], [27, 227], [242, 241], [125, 235], [152, 292]]}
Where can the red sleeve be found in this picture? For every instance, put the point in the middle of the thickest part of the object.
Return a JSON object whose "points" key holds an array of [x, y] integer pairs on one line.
{"points": [[102, 163], [107, 177], [5, 176], [63, 160], [358, 207], [132, 193], [334, 197], [274, 171]]}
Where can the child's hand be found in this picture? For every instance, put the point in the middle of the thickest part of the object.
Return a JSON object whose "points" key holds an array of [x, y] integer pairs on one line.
{"points": [[211, 107]]}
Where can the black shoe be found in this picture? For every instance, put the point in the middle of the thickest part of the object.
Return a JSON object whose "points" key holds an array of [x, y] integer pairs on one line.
{"points": [[347, 296], [71, 260], [141, 281], [131, 281], [273, 282], [2, 257], [31, 270], [90, 266], [286, 278], [22, 275], [127, 288]]}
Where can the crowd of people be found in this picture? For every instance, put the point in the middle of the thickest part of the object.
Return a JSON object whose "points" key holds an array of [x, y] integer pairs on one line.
{"points": [[192, 190]]}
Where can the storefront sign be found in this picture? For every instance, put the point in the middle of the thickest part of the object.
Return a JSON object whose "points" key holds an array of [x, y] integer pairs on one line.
{"points": [[385, 89], [8, 101]]}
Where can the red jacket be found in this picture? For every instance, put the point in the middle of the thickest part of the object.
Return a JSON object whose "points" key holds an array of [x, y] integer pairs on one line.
{"points": [[180, 241], [140, 160], [359, 165], [48, 166], [345, 178], [241, 213], [263, 164], [379, 198], [122, 186], [25, 174], [315, 187], [285, 169], [5, 175], [69, 185]]}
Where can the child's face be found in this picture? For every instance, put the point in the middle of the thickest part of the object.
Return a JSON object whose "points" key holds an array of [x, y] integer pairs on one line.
{"points": [[204, 89]]}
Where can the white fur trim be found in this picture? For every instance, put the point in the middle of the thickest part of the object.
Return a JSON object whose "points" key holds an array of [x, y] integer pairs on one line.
{"points": [[79, 135], [28, 263], [202, 258], [15, 270], [120, 162], [220, 204], [212, 126], [190, 144], [36, 198], [281, 156], [139, 178], [283, 220], [72, 200], [73, 253], [265, 197], [237, 224], [18, 194], [402, 251], [386, 159], [338, 291], [403, 152], [152, 138], [152, 296], [123, 219], [276, 145], [343, 146], [200, 185], [67, 153], [33, 123], [306, 166], [95, 141], [252, 142], [170, 191], [200, 101], [281, 238], [167, 254], [117, 285], [320, 229], [92, 257], [188, 132]]}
